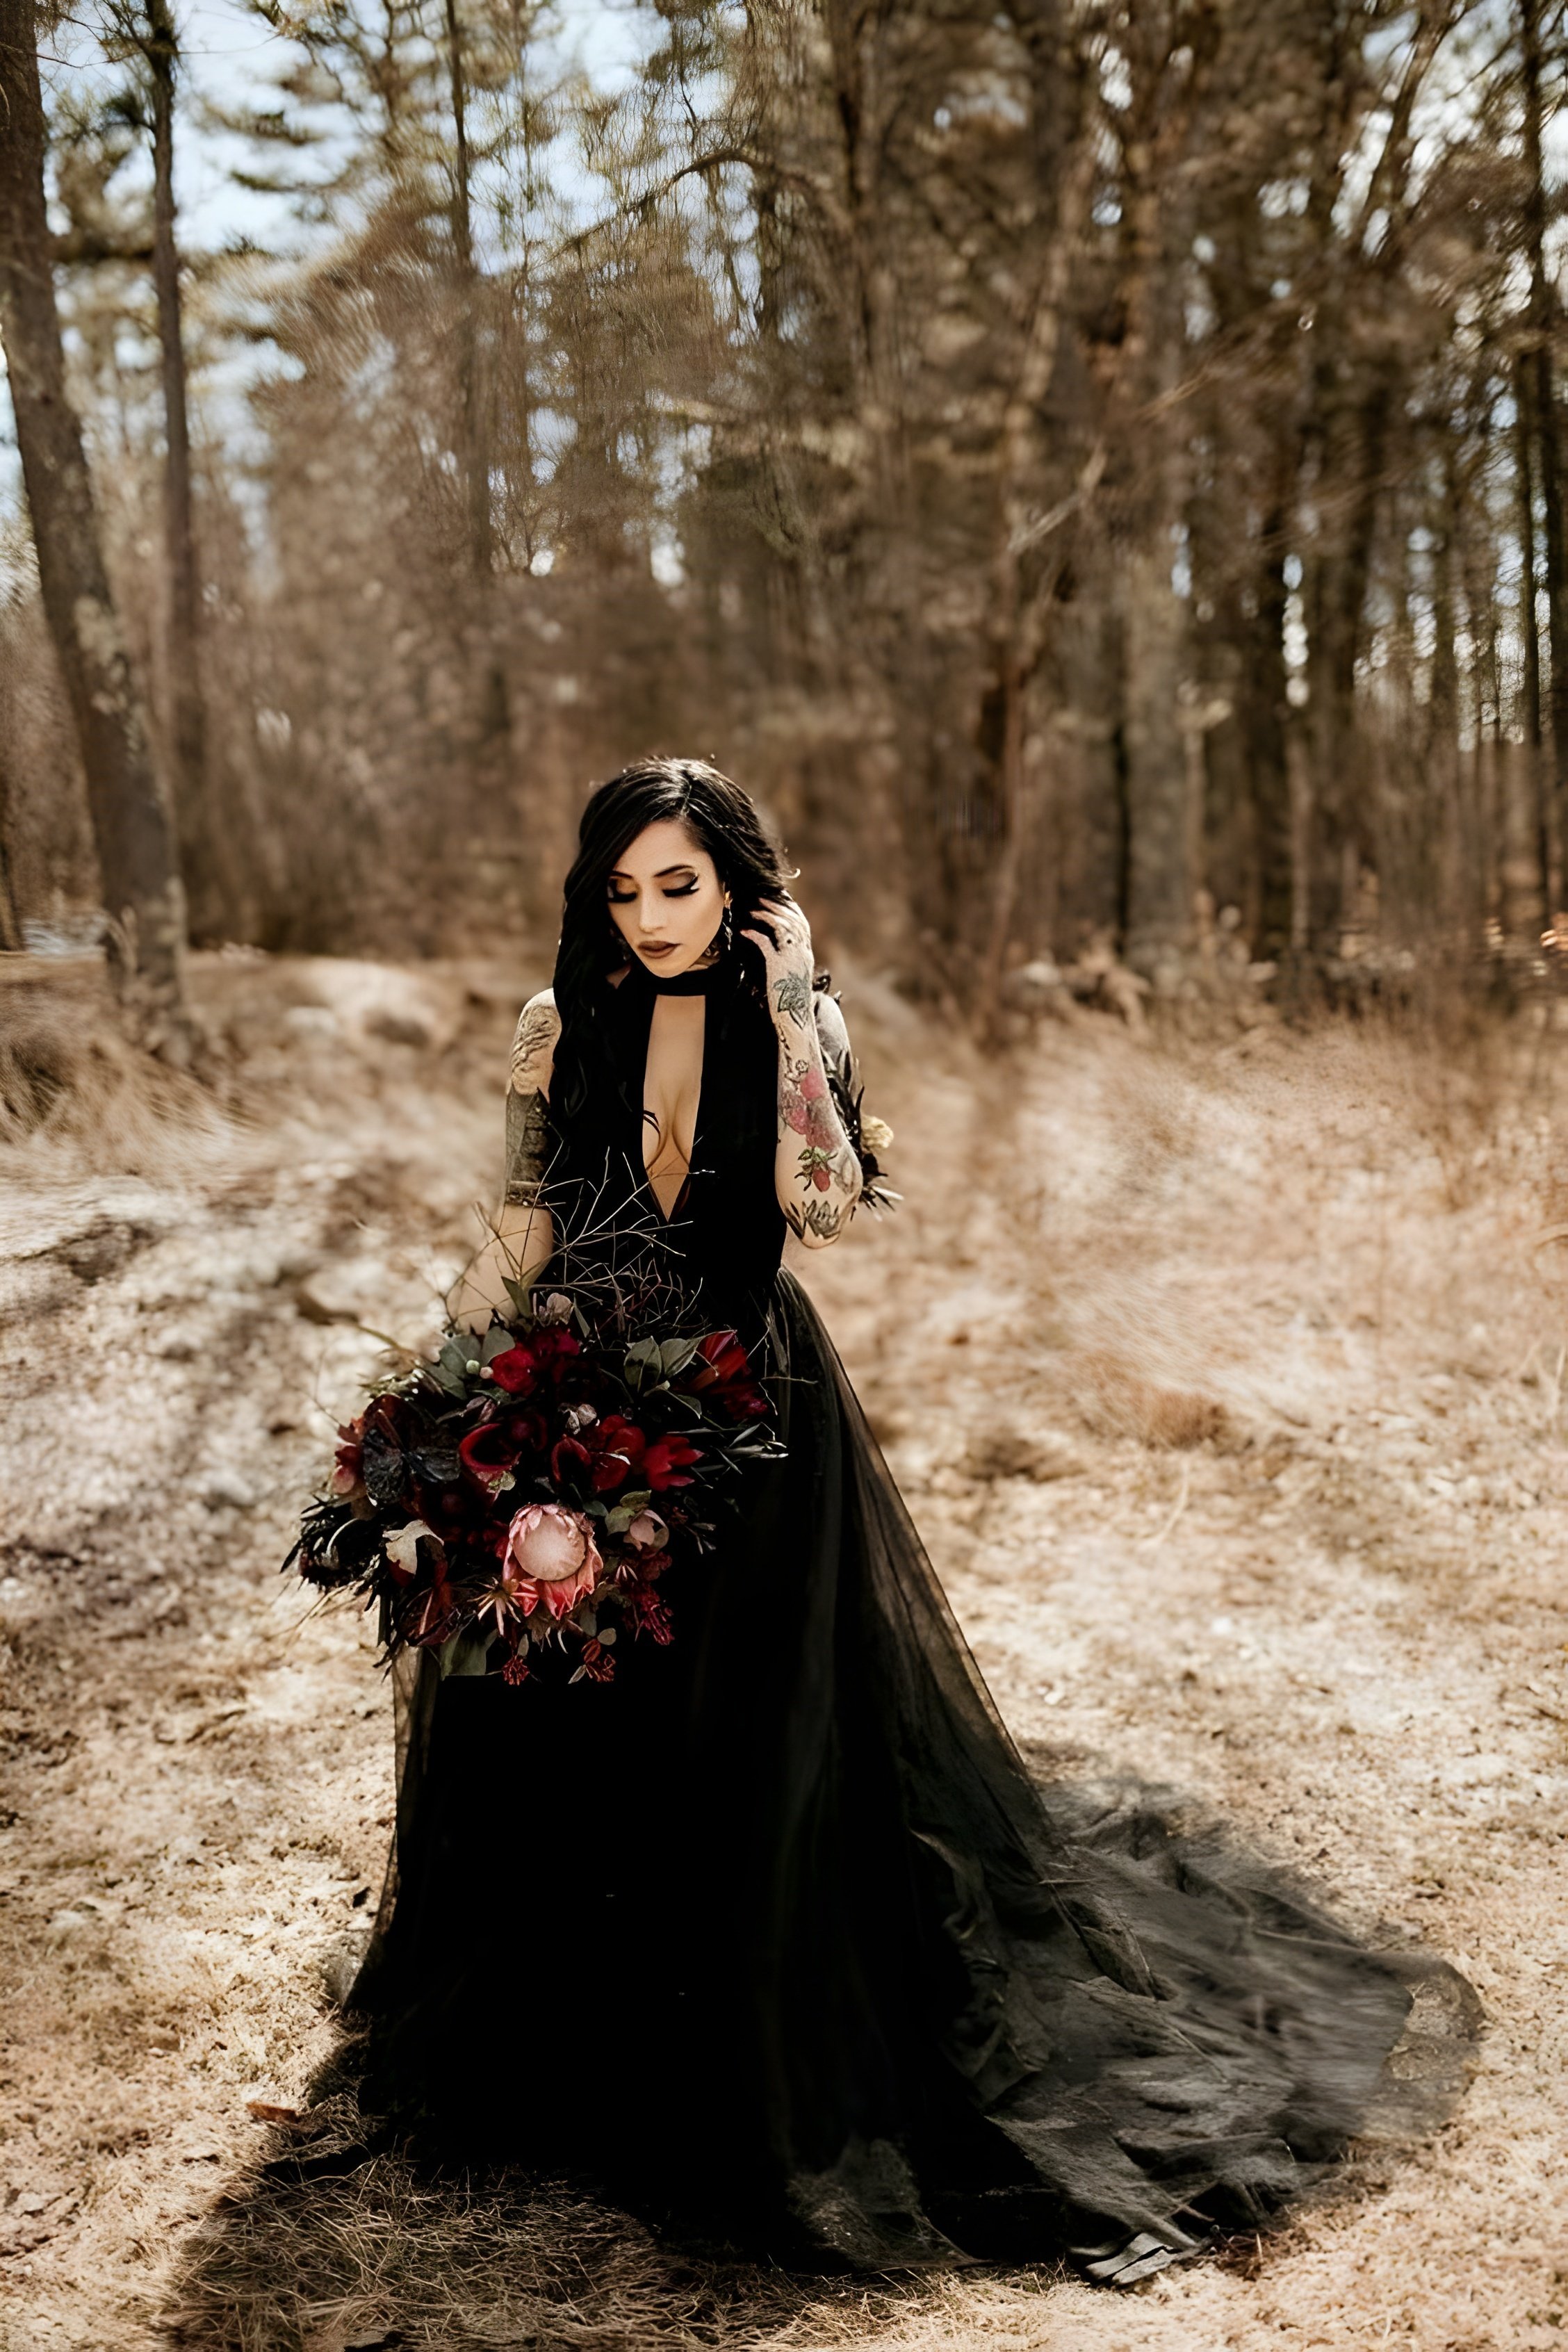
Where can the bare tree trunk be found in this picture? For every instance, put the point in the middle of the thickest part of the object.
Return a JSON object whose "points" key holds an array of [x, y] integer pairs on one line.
{"points": [[1266, 708], [142, 888], [1339, 575], [1016, 619], [476, 452], [10, 918], [1160, 875], [1543, 402], [208, 831], [1527, 443]]}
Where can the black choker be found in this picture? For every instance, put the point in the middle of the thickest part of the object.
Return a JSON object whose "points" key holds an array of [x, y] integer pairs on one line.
{"points": [[683, 983]]}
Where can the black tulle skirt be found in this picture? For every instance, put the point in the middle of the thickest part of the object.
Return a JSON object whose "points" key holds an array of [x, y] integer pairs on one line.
{"points": [[775, 1940]]}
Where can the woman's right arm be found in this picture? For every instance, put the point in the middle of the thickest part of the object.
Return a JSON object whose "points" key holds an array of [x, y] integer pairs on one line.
{"points": [[523, 1238]]}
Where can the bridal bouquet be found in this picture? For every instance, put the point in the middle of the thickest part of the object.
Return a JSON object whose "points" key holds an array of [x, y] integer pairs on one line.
{"points": [[521, 1496]]}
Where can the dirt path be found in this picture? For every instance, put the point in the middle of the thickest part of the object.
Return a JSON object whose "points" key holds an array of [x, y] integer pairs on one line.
{"points": [[1232, 1414]]}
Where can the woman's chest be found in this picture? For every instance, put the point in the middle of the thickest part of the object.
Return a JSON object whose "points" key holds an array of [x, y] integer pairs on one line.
{"points": [[672, 1091]]}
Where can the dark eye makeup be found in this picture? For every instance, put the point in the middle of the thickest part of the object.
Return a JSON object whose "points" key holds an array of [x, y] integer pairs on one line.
{"points": [[676, 890]]}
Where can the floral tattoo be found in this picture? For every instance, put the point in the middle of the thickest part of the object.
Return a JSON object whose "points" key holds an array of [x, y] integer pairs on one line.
{"points": [[821, 1218], [825, 1161]]}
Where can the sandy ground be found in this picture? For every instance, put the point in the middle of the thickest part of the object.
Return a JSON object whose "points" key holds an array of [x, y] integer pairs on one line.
{"points": [[1226, 1380]]}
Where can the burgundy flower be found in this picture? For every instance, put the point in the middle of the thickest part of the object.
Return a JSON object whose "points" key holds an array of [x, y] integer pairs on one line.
{"points": [[605, 1451], [598, 1663], [490, 1454], [516, 1371], [553, 1351], [618, 1447], [666, 1459], [543, 1355], [724, 1357], [516, 1670], [648, 1615], [725, 1379]]}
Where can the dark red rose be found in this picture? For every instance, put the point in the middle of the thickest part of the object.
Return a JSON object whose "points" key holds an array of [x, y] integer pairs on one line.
{"points": [[543, 1355], [666, 1459]]}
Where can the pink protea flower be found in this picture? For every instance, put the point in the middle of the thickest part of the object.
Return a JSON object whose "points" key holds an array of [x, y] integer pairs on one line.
{"points": [[550, 1559]]}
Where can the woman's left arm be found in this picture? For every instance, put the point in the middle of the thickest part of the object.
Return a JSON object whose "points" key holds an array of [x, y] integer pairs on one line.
{"points": [[816, 1173]]}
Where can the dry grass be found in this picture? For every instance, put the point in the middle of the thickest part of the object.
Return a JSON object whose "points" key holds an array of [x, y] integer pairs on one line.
{"points": [[1227, 1384]]}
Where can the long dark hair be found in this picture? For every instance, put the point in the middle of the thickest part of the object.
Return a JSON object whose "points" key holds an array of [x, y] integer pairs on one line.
{"points": [[719, 816]]}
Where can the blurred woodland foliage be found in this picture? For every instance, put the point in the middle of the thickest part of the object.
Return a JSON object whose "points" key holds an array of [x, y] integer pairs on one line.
{"points": [[1094, 470]]}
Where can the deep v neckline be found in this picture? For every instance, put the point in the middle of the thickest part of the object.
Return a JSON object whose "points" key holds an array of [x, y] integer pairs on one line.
{"points": [[692, 984], [648, 1118]]}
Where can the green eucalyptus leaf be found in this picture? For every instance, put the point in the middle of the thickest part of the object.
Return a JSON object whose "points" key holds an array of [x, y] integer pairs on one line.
{"points": [[675, 1355], [466, 1653]]}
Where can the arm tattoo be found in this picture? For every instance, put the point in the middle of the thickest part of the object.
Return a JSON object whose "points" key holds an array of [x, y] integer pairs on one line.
{"points": [[821, 1218], [534, 1046], [792, 996], [527, 1102], [825, 1163], [527, 1147]]}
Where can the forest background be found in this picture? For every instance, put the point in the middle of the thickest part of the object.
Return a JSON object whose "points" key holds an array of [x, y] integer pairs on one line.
{"points": [[1094, 471]]}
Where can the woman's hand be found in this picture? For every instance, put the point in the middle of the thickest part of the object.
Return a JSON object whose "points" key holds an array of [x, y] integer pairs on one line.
{"points": [[780, 934]]}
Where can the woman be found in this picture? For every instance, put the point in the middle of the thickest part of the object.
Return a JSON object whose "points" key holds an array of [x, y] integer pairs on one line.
{"points": [[812, 1965]]}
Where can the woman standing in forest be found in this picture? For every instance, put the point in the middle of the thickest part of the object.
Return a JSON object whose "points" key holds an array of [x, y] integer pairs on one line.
{"points": [[797, 1956]]}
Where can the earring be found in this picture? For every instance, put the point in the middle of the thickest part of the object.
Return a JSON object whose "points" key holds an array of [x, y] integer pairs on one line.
{"points": [[727, 929]]}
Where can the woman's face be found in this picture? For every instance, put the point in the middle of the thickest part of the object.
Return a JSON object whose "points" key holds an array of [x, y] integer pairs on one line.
{"points": [[666, 899]]}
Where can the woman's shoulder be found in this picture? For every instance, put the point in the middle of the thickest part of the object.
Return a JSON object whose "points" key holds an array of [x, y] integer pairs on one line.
{"points": [[534, 1041]]}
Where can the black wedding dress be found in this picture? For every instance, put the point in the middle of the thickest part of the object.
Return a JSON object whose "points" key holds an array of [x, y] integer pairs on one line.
{"points": [[775, 1940]]}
